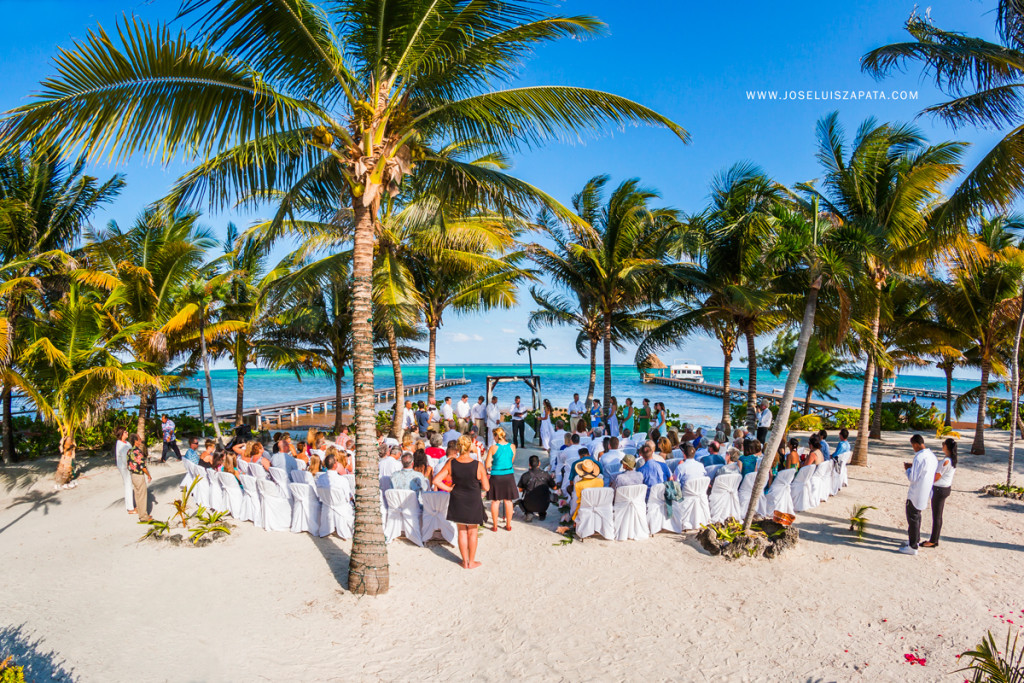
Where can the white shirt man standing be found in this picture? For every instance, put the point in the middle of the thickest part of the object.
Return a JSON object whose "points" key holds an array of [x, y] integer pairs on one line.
{"points": [[462, 412], [493, 417], [576, 410], [921, 474], [447, 410], [477, 413], [408, 417], [518, 414], [764, 422]]}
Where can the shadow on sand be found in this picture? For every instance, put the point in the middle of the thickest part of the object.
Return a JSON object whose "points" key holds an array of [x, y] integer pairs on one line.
{"points": [[39, 662]]}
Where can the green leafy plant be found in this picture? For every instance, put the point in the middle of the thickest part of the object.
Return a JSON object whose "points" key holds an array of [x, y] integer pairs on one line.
{"points": [[990, 664], [181, 504], [943, 431], [210, 523], [157, 528], [9, 673], [728, 531], [859, 520]]}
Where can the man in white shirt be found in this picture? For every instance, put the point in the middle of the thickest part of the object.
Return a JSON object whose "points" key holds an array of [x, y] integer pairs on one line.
{"points": [[478, 413], [566, 458], [576, 410], [558, 438], [462, 411], [452, 434], [764, 422], [493, 417], [518, 414], [329, 477], [611, 461], [391, 462], [921, 474], [408, 418], [689, 468], [434, 415], [447, 410]]}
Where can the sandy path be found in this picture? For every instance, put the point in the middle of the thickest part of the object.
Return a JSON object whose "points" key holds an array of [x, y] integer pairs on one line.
{"points": [[79, 592]]}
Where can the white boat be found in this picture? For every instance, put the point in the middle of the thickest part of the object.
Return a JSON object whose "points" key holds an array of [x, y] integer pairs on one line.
{"points": [[687, 371], [888, 384]]}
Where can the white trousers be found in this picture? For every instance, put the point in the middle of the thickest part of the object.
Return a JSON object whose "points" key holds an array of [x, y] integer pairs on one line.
{"points": [[129, 491]]}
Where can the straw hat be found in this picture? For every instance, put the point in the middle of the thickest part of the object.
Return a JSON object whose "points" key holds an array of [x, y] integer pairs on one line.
{"points": [[587, 469]]}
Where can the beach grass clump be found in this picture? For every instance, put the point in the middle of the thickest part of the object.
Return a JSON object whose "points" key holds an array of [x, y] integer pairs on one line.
{"points": [[765, 538], [990, 663], [202, 526], [1004, 491]]}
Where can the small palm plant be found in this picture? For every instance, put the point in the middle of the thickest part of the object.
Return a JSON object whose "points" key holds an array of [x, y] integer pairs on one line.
{"points": [[859, 520], [989, 664], [210, 523], [181, 504]]}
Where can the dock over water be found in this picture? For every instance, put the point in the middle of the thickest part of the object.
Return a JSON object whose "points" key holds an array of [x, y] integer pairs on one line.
{"points": [[817, 407]]}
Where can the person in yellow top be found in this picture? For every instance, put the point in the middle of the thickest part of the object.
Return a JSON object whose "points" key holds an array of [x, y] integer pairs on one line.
{"points": [[588, 475]]}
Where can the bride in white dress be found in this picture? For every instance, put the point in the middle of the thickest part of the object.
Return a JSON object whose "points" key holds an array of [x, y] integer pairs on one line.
{"points": [[546, 430]]}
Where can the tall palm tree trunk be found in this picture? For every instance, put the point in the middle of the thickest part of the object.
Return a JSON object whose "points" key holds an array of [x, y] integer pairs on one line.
{"points": [[1015, 393], [209, 381], [978, 447], [396, 367], [65, 466], [860, 447], [607, 360], [726, 398], [779, 426], [949, 394], [748, 332], [338, 384], [529, 356], [807, 402], [7, 398], [368, 564], [593, 375], [876, 417], [240, 391], [432, 364]]}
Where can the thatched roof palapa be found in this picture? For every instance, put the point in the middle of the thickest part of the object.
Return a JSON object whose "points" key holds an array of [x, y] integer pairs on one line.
{"points": [[652, 362]]}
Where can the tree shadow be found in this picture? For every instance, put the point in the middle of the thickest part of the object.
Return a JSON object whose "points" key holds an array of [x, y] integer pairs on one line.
{"points": [[35, 500], [40, 663], [337, 559]]}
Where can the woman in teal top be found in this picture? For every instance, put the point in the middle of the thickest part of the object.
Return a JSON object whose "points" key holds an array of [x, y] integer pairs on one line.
{"points": [[500, 457], [629, 417]]}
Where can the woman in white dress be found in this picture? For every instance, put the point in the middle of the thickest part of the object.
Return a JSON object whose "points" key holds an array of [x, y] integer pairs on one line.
{"points": [[546, 430], [613, 417], [121, 459]]}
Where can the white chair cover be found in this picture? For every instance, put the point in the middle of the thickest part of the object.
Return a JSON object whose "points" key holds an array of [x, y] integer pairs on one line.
{"points": [[404, 516], [746, 489], [258, 471], [711, 471], [252, 508], [305, 509], [630, 513], [677, 454], [385, 484], [215, 494], [595, 515], [801, 490], [693, 511], [351, 483], [306, 477], [242, 466], [232, 495], [302, 464], [277, 510], [337, 514], [821, 481], [190, 474], [673, 464], [280, 478], [296, 477], [639, 438], [659, 518], [724, 501], [778, 496], [629, 450], [839, 477], [435, 516]]}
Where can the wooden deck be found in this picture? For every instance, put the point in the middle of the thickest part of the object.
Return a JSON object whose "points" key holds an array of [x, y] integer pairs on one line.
{"points": [[304, 412], [826, 408], [923, 393]]}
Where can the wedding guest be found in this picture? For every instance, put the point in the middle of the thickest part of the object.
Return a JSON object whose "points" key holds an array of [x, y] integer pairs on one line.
{"points": [[206, 457], [823, 445], [793, 456], [434, 450], [688, 468], [921, 474], [140, 477], [391, 462], [536, 486], [500, 457], [121, 448], [421, 464], [451, 435], [815, 456], [941, 489], [844, 443], [314, 464], [408, 479], [192, 452], [586, 475], [465, 478], [628, 476]]}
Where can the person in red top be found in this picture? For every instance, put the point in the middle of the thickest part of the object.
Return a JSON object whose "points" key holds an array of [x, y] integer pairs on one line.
{"points": [[435, 450]]}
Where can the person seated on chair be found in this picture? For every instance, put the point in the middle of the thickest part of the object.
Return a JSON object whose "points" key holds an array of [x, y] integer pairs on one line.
{"points": [[612, 456], [749, 459], [792, 460], [330, 477], [664, 451], [206, 457], [341, 460], [688, 433], [625, 435], [344, 440], [421, 464], [192, 452], [434, 450], [390, 462], [452, 434], [315, 464], [733, 465], [408, 479], [844, 443], [231, 467], [628, 476], [815, 457], [584, 454], [689, 468], [586, 474], [536, 486], [218, 460], [654, 471], [286, 461], [711, 455], [825, 449], [558, 437]]}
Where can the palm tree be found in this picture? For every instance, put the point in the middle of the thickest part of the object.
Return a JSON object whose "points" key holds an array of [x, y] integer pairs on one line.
{"points": [[147, 270], [948, 360], [46, 202], [980, 300], [821, 372], [529, 345], [885, 189], [281, 105], [70, 367]]}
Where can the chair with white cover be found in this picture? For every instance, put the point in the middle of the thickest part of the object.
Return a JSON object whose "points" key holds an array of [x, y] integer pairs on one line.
{"points": [[801, 490], [385, 484], [435, 516], [746, 490], [840, 477], [277, 508], [779, 495], [280, 477], [296, 477], [594, 515], [242, 466], [639, 438], [258, 471], [659, 517], [404, 516], [711, 471], [693, 510], [630, 513], [673, 464], [724, 501], [351, 483], [251, 505], [215, 495], [190, 473], [306, 477], [305, 509], [337, 514], [302, 464], [821, 481], [629, 450], [232, 495], [677, 454]]}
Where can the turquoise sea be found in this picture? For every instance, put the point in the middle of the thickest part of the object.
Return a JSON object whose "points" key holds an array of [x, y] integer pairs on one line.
{"points": [[558, 383]]}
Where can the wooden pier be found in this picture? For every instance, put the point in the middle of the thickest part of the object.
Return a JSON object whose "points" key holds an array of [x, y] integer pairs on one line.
{"points": [[922, 393], [301, 413], [826, 408]]}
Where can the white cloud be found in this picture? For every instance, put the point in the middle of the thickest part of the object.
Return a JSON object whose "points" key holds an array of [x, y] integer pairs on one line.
{"points": [[507, 331], [463, 337]]}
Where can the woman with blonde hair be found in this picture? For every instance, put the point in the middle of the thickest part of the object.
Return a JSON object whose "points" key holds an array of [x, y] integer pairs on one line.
{"points": [[314, 464], [310, 440], [500, 457], [464, 477], [254, 454]]}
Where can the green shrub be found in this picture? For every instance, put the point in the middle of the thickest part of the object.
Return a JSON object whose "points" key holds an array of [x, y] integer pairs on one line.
{"points": [[846, 418], [9, 673], [383, 421], [807, 423]]}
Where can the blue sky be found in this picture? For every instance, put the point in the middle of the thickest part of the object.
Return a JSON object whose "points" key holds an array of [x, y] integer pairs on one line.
{"points": [[692, 61]]}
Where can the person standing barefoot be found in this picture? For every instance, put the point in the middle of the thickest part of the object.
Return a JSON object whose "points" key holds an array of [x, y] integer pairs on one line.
{"points": [[465, 509], [501, 478]]}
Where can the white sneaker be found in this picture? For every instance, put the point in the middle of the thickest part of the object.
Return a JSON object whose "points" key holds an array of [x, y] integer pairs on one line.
{"points": [[907, 550]]}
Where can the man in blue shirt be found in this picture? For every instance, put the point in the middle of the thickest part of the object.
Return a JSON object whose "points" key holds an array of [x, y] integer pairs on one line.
{"points": [[192, 453], [170, 440], [711, 456], [825, 450], [844, 445], [654, 471]]}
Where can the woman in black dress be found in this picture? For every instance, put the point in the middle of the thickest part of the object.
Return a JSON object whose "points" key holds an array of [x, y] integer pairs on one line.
{"points": [[464, 477]]}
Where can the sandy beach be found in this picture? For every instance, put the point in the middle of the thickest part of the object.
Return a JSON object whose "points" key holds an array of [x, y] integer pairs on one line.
{"points": [[83, 600]]}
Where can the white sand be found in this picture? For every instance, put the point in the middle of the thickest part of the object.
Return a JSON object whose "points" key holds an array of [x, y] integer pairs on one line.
{"points": [[272, 606]]}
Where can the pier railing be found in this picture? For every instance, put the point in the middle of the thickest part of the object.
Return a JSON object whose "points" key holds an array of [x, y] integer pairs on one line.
{"points": [[826, 408]]}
